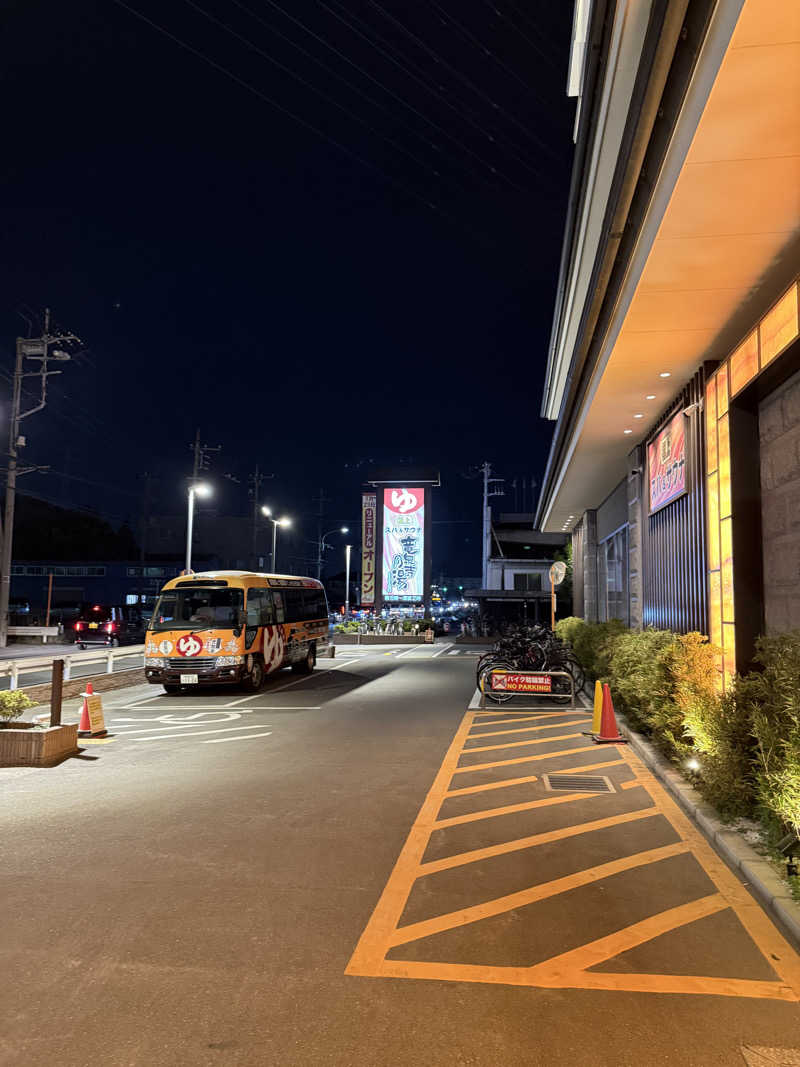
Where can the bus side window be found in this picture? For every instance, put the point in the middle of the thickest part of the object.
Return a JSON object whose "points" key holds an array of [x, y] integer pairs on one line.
{"points": [[254, 607], [293, 599], [277, 600], [267, 609]]}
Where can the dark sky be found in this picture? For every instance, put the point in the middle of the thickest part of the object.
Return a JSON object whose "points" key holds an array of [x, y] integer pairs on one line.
{"points": [[370, 277]]}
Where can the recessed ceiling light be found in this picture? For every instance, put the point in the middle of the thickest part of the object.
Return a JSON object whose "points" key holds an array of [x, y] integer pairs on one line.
{"points": [[650, 396], [638, 416], [664, 374], [627, 431]]}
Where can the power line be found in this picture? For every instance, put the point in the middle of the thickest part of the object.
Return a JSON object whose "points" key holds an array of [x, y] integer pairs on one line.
{"points": [[446, 17], [274, 103], [420, 79], [390, 92], [355, 88], [536, 47], [466, 81], [313, 88], [483, 241], [416, 78]]}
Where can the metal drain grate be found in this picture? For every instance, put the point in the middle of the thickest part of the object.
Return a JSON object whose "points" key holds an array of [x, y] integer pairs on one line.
{"points": [[577, 783]]}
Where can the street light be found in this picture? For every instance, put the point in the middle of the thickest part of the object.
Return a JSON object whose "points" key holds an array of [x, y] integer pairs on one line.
{"points": [[284, 521], [321, 546], [347, 582], [199, 489]]}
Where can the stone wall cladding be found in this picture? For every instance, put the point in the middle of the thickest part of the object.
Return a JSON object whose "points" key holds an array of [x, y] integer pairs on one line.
{"points": [[779, 437]]}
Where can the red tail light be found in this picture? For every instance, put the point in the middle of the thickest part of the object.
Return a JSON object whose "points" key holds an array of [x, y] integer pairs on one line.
{"points": [[78, 625], [111, 627]]}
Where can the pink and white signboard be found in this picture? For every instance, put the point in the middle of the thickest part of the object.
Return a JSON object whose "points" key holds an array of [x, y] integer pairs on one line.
{"points": [[403, 544]]}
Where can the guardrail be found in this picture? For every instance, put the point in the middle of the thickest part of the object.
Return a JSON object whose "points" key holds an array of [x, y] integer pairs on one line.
{"points": [[32, 664], [36, 631]]}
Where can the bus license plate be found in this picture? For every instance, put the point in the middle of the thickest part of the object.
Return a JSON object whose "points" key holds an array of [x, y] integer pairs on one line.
{"points": [[188, 679]]}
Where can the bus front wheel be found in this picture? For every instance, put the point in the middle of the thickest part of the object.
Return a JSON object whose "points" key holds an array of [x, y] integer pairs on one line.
{"points": [[255, 678]]}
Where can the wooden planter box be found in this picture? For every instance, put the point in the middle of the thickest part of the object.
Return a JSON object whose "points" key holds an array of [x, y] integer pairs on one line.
{"points": [[22, 745]]}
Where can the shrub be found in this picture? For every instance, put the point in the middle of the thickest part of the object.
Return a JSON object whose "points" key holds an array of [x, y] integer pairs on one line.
{"points": [[593, 645], [770, 700], [640, 680], [13, 703], [568, 629]]}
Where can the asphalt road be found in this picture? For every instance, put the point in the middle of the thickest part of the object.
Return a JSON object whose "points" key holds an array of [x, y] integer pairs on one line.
{"points": [[355, 869]]}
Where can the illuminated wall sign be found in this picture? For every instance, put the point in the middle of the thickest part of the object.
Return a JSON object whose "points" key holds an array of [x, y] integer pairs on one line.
{"points": [[369, 503], [403, 544], [666, 463]]}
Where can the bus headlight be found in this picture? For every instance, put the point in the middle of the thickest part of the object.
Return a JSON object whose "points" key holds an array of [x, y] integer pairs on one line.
{"points": [[155, 661], [228, 661]]}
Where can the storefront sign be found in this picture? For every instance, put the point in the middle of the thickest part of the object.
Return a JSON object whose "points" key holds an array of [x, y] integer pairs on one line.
{"points": [[666, 463], [403, 544], [508, 682], [369, 503]]}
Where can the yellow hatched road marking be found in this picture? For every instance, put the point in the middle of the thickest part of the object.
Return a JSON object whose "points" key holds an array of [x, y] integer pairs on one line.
{"points": [[544, 838], [489, 908], [528, 805], [570, 969], [519, 744], [527, 729], [522, 759]]}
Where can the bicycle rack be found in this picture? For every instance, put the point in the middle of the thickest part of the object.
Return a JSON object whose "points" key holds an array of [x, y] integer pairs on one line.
{"points": [[539, 696]]}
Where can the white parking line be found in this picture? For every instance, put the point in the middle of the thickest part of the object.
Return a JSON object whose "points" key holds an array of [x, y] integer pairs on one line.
{"points": [[442, 650], [222, 740], [186, 726], [199, 733], [455, 652]]}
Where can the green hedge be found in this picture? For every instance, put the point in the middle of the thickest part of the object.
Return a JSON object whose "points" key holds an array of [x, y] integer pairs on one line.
{"points": [[741, 749]]}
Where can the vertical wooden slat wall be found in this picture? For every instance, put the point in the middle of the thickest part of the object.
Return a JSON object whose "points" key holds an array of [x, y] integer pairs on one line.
{"points": [[673, 541]]}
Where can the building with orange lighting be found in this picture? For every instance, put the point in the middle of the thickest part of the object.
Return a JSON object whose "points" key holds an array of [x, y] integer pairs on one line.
{"points": [[673, 373]]}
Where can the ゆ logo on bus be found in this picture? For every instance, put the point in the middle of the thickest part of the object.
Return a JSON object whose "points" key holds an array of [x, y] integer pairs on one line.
{"points": [[188, 645]]}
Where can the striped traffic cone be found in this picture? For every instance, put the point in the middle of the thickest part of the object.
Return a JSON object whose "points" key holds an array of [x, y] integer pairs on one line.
{"points": [[609, 734]]}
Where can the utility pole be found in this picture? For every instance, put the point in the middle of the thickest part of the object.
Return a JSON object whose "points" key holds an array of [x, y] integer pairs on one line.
{"points": [[256, 479], [201, 455], [322, 500], [490, 489], [36, 349]]}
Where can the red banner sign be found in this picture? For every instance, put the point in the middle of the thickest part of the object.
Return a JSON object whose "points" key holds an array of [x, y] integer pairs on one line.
{"points": [[521, 682], [666, 463]]}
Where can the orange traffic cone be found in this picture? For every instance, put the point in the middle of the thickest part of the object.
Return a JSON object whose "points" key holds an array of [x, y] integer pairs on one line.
{"points": [[84, 726], [609, 734]]}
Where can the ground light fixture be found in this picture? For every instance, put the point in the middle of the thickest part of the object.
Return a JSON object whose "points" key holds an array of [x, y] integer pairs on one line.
{"points": [[201, 489]]}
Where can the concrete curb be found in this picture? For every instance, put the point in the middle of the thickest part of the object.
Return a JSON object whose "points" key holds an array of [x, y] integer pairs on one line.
{"points": [[767, 886]]}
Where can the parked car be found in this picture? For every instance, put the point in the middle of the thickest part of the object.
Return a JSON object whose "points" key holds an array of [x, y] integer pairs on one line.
{"points": [[104, 624]]}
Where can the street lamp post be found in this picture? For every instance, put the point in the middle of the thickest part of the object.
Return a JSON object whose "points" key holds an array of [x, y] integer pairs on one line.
{"points": [[198, 489], [347, 582], [321, 546], [284, 521]]}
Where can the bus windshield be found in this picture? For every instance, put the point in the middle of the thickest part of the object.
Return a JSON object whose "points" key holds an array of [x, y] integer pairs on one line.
{"points": [[197, 609]]}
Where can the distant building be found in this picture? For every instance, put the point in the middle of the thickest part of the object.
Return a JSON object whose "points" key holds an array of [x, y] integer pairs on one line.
{"points": [[99, 582], [520, 557]]}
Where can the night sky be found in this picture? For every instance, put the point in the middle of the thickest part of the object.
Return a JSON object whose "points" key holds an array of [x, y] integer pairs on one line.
{"points": [[321, 255]]}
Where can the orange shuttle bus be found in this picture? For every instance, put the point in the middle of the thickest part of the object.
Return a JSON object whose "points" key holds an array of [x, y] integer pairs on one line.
{"points": [[234, 627]]}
